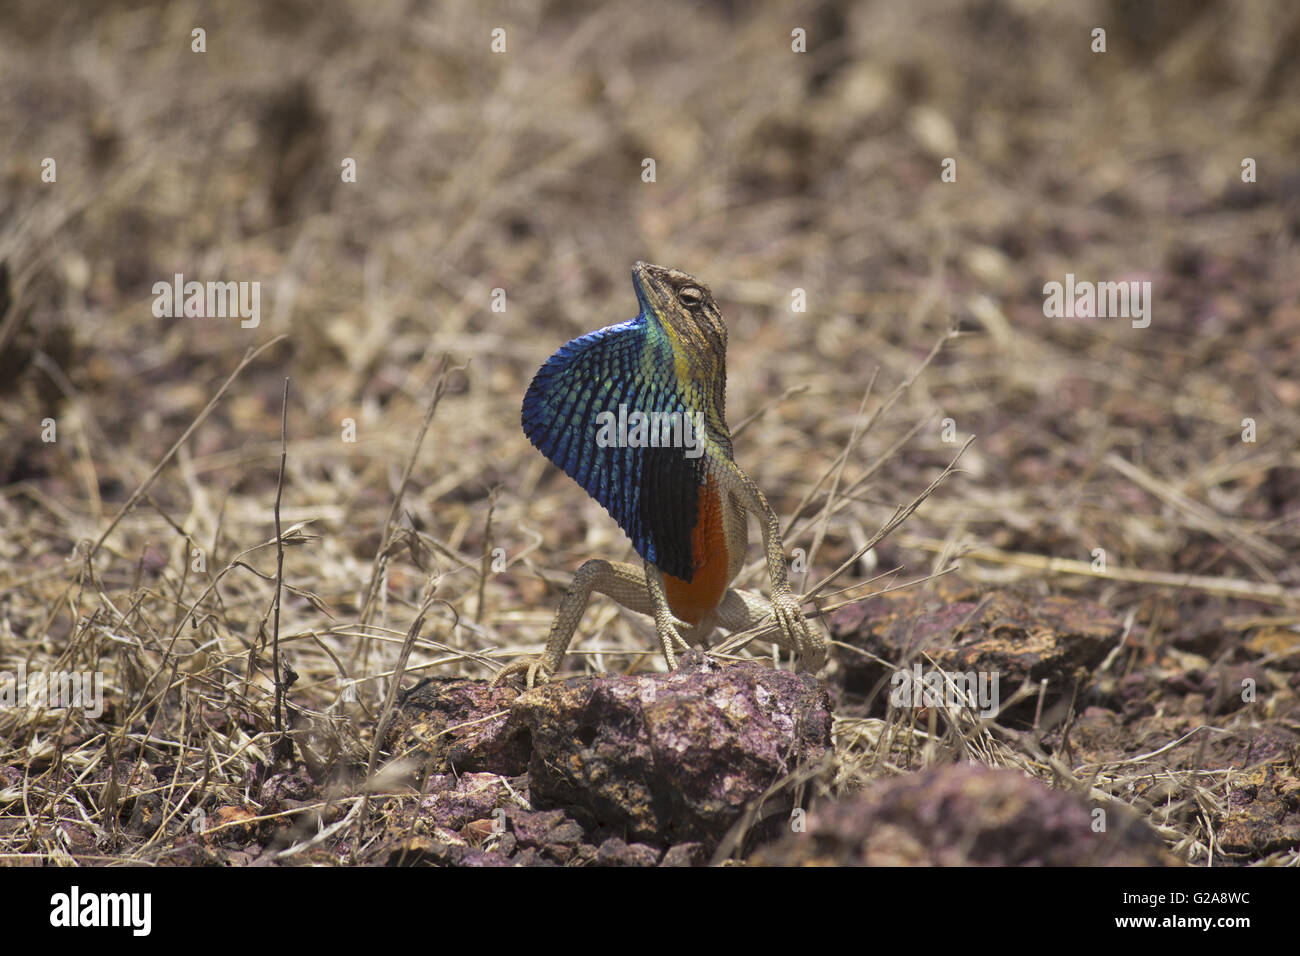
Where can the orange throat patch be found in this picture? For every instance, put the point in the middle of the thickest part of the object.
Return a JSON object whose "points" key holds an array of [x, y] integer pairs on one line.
{"points": [[691, 600]]}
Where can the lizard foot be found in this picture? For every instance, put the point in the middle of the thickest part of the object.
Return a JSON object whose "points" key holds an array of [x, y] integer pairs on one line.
{"points": [[794, 628], [534, 669], [672, 641]]}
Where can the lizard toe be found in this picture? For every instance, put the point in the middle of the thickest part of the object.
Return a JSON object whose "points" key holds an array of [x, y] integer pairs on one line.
{"points": [[534, 671]]}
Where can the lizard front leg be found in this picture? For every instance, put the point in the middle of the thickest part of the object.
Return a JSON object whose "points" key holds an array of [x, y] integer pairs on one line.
{"points": [[668, 635], [790, 621]]}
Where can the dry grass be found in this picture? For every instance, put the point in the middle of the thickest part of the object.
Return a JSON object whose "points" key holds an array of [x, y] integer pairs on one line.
{"points": [[522, 172]]}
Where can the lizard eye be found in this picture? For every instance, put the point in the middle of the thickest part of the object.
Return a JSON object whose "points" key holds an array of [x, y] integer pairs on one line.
{"points": [[690, 296]]}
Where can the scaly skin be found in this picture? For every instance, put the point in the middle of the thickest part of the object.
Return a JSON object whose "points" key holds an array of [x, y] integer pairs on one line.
{"points": [[683, 503]]}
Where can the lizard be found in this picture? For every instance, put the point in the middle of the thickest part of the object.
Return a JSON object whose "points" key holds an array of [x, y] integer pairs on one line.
{"points": [[669, 480]]}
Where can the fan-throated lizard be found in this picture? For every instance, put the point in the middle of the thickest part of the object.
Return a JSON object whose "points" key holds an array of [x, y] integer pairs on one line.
{"points": [[635, 413]]}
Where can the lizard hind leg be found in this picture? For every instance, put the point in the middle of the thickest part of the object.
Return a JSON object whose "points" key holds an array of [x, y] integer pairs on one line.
{"points": [[741, 610], [625, 583]]}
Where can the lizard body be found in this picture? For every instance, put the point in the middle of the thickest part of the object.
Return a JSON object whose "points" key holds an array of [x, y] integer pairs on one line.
{"points": [[635, 413]]}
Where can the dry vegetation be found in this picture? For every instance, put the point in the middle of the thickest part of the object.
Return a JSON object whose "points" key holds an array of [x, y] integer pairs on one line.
{"points": [[522, 172]]}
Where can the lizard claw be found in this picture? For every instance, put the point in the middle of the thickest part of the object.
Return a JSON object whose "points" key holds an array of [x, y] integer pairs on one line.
{"points": [[670, 639], [790, 619], [535, 670]]}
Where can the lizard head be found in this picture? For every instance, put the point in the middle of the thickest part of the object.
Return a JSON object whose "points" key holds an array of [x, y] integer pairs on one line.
{"points": [[684, 306]]}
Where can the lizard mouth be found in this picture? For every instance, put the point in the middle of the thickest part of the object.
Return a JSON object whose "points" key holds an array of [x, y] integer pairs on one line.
{"points": [[649, 280]]}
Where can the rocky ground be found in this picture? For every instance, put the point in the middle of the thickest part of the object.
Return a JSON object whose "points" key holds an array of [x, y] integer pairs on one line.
{"points": [[1100, 753]]}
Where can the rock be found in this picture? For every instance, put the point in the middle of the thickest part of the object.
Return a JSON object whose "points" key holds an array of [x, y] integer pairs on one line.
{"points": [[1263, 813], [146, 814], [614, 768], [553, 833], [615, 852], [464, 725], [1001, 633], [1137, 694], [964, 816], [230, 825], [685, 854], [455, 802], [283, 791], [668, 758], [478, 832], [420, 850]]}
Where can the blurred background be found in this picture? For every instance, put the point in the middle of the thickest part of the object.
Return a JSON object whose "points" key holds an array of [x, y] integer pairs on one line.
{"points": [[522, 171]]}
